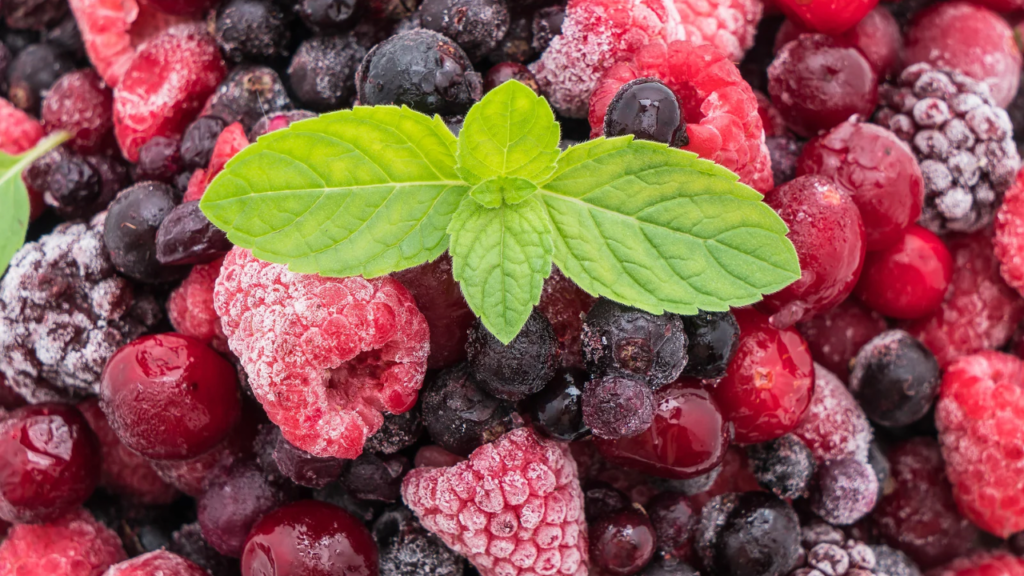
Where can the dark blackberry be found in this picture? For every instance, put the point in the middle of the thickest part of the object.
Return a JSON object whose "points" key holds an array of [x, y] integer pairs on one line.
{"points": [[322, 70], [130, 231], [159, 160], [557, 410], [188, 542], [517, 44], [64, 311], [713, 338], [462, 415], [620, 339], [373, 477], [962, 139], [280, 459], [895, 378], [674, 520], [198, 141], [784, 466], [33, 14], [547, 23], [278, 121], [422, 70], [5, 63], [32, 72], [252, 30], [475, 25], [247, 95], [617, 406], [622, 543], [601, 499], [648, 110], [892, 562], [66, 37], [331, 16], [505, 71], [516, 370], [399, 432], [844, 491], [186, 236], [784, 152], [407, 549], [748, 534]]}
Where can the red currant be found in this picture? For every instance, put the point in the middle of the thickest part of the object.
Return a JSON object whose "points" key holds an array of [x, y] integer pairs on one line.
{"points": [[907, 280]]}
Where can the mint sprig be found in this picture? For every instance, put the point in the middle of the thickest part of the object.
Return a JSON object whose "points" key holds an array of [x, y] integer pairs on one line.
{"points": [[371, 191]]}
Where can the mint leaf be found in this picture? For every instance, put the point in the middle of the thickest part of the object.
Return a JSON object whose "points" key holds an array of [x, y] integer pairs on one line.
{"points": [[659, 229], [492, 192], [511, 132], [501, 256], [363, 192], [14, 204]]}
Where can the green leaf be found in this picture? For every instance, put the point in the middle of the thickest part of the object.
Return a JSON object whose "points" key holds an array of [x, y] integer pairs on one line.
{"points": [[659, 229], [501, 256], [14, 204], [511, 132], [492, 192], [364, 192]]}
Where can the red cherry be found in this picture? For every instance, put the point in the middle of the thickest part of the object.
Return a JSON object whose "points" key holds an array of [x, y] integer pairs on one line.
{"points": [[622, 543], [309, 538], [687, 438], [908, 280], [827, 16], [438, 297], [170, 397], [769, 383], [877, 36]]}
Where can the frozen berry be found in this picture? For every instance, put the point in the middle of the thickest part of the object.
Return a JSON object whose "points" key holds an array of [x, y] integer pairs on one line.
{"points": [[785, 153], [375, 477], [997, 562], [893, 562], [331, 16], [193, 476], [547, 23], [895, 379], [748, 534], [280, 458], [517, 45], [190, 306], [649, 110], [834, 337], [80, 104], [33, 72], [440, 300], [73, 185], [33, 14], [909, 279], [129, 231], [462, 415], [281, 120], [248, 94], [617, 406], [834, 426], [565, 305], [784, 465], [662, 566], [817, 84], [186, 236], [601, 499], [830, 17], [505, 71], [475, 25], [322, 69], [21, 131], [75, 545], [516, 370], [674, 519], [159, 159], [845, 491], [422, 70], [198, 140], [622, 543], [398, 432], [407, 549], [618, 339], [877, 36], [713, 341], [557, 410], [150, 385], [156, 563], [251, 30]]}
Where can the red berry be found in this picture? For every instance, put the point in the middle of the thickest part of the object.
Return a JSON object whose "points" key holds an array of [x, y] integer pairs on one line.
{"points": [[834, 426], [164, 87], [234, 502], [156, 563], [622, 543], [909, 279], [877, 169], [997, 563], [1009, 238], [309, 538], [230, 142], [817, 84], [194, 476], [440, 300], [190, 306], [81, 104], [828, 234], [21, 131], [565, 305], [74, 545], [827, 16], [877, 36], [170, 397], [688, 437], [835, 336]]}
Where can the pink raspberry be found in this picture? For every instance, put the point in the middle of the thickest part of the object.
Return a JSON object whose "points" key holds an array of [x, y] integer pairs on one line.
{"points": [[1009, 239], [728, 25], [980, 408], [20, 132], [230, 142], [190, 306], [156, 563], [996, 563], [515, 508], [834, 426], [719, 107], [75, 545], [325, 356]]}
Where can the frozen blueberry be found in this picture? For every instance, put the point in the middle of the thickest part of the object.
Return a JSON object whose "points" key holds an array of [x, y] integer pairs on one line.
{"points": [[748, 534], [557, 410], [330, 16], [159, 159], [407, 549], [895, 378], [199, 139], [376, 477], [516, 370], [462, 415], [322, 70], [251, 30], [247, 95], [475, 25], [713, 340], [784, 465], [130, 232], [186, 236], [32, 72], [398, 432], [618, 406]]}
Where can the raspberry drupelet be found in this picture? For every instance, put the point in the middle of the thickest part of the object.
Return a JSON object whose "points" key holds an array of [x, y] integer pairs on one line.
{"points": [[1009, 239], [74, 545], [156, 563], [325, 356]]}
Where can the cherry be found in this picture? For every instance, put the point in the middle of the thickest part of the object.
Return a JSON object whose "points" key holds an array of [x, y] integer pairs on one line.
{"points": [[622, 543], [835, 336], [438, 297], [674, 519], [877, 36], [170, 397], [49, 462], [909, 279], [827, 16], [769, 382], [687, 438], [309, 538]]}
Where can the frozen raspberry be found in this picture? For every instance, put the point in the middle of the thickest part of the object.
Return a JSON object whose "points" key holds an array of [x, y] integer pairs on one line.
{"points": [[835, 336], [515, 507], [20, 132], [64, 311], [978, 415], [124, 472], [164, 87], [156, 563], [728, 25], [834, 426], [980, 311], [325, 356], [75, 545], [962, 140], [876, 35], [996, 563], [190, 306], [406, 549], [1009, 238], [719, 107], [80, 103], [828, 17]]}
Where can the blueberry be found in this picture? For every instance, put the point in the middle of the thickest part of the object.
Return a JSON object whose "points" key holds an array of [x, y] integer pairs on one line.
{"points": [[845, 491], [547, 23], [557, 410], [516, 370], [517, 45], [330, 16], [18, 40], [784, 466], [32, 72], [322, 69], [186, 236], [73, 186], [66, 37], [618, 406], [247, 95], [475, 25], [398, 432], [280, 459], [713, 340], [648, 110], [5, 62], [407, 549], [748, 534], [199, 139], [251, 30], [33, 14], [462, 415], [893, 562], [158, 160], [130, 232], [895, 378]]}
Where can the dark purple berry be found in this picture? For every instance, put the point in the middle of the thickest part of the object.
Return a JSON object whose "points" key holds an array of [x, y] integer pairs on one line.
{"points": [[617, 406], [462, 415], [158, 160], [516, 370], [33, 14], [422, 70], [330, 16], [601, 499], [130, 231], [784, 465], [1017, 544], [845, 491], [475, 25], [398, 432], [279, 458], [892, 562], [557, 410], [784, 152], [365, 510], [662, 566], [713, 340], [322, 69], [748, 534], [895, 379], [648, 110], [547, 23], [407, 549], [72, 186], [505, 71], [32, 72], [622, 543], [517, 45], [188, 542], [252, 30], [181, 180], [18, 40], [376, 477], [674, 520], [5, 62], [248, 94], [695, 485], [186, 236], [66, 37], [199, 139], [618, 339]]}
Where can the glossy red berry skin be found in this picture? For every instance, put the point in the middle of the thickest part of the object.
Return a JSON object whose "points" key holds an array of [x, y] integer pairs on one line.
{"points": [[908, 280], [622, 543], [688, 437], [170, 397], [438, 297], [309, 538], [49, 462], [877, 36], [827, 16], [769, 383], [828, 234]]}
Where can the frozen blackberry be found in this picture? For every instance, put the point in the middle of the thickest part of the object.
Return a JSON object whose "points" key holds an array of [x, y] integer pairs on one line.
{"points": [[784, 466], [962, 140], [322, 70], [422, 70], [64, 311], [130, 231], [547, 23], [186, 236], [557, 410], [188, 542], [33, 14], [376, 477], [407, 549], [617, 406], [748, 534], [397, 433], [159, 160], [475, 25], [199, 139], [32, 72], [247, 95], [713, 340], [895, 378], [648, 110], [463, 416], [279, 458], [253, 30], [516, 370], [620, 339], [331, 16]]}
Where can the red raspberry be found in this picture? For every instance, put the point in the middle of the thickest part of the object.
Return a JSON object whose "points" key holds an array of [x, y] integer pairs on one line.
{"points": [[909, 279], [81, 104], [230, 142], [75, 545], [515, 508], [325, 356], [20, 132], [974, 40], [165, 86], [719, 107], [190, 306], [440, 300], [1009, 238], [980, 408], [728, 25], [827, 16], [565, 304], [156, 563], [197, 184], [836, 336], [996, 563], [124, 472], [834, 426], [774, 125], [877, 36], [980, 311]]}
